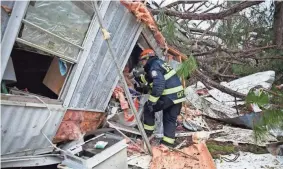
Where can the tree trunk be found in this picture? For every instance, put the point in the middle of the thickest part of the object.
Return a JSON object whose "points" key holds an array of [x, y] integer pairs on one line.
{"points": [[278, 24]]}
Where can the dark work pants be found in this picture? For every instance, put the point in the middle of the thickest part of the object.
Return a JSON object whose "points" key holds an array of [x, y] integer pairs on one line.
{"points": [[170, 113]]}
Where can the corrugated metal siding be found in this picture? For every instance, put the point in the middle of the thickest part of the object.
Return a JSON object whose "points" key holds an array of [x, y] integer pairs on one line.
{"points": [[4, 16], [21, 124], [99, 75]]}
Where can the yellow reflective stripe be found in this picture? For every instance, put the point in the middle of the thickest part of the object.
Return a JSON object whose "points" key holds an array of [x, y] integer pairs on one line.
{"points": [[166, 76], [153, 99], [143, 79], [168, 140], [170, 74], [172, 90], [147, 127], [179, 100]]}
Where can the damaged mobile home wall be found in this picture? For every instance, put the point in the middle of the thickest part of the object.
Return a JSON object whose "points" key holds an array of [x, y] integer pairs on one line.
{"points": [[98, 76], [23, 120], [95, 83], [87, 89]]}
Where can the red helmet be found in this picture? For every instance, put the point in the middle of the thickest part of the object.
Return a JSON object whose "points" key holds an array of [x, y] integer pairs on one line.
{"points": [[146, 53]]}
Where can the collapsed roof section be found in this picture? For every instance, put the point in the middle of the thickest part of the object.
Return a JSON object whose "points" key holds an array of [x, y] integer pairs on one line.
{"points": [[142, 14]]}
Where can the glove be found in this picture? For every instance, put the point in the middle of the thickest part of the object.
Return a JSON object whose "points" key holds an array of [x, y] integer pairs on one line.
{"points": [[143, 89], [148, 106], [139, 79]]}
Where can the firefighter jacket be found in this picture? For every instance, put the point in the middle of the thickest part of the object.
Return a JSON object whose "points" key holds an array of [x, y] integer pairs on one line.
{"points": [[163, 80]]}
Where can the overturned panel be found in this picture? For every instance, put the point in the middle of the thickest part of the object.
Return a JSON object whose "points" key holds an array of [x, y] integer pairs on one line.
{"points": [[99, 75], [76, 123], [22, 122]]}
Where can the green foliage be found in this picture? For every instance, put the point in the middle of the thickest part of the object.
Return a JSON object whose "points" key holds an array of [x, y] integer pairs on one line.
{"points": [[212, 147], [187, 67], [270, 119], [251, 25], [261, 65], [264, 65], [166, 26], [260, 98], [272, 114], [234, 32]]}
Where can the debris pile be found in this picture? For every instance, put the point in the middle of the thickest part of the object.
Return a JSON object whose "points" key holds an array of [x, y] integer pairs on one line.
{"points": [[208, 116]]}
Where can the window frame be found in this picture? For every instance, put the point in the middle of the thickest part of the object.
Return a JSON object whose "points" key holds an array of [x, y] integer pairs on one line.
{"points": [[50, 51]]}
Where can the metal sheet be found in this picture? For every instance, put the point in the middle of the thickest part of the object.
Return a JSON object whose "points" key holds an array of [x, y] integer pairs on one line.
{"points": [[70, 86], [21, 124], [99, 76]]}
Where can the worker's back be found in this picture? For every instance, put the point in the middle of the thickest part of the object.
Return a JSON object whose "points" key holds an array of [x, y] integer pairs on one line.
{"points": [[173, 87]]}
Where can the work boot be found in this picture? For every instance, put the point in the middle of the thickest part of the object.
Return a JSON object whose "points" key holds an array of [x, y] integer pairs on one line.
{"points": [[148, 133], [162, 142], [176, 143]]}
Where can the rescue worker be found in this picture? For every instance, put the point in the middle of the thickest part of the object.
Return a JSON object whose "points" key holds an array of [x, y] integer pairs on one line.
{"points": [[166, 93]]}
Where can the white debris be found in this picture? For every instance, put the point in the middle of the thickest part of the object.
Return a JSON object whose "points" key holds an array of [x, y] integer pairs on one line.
{"points": [[228, 104], [248, 160], [195, 124], [141, 161], [238, 135], [210, 106], [244, 84], [221, 105], [276, 132], [193, 97], [227, 111]]}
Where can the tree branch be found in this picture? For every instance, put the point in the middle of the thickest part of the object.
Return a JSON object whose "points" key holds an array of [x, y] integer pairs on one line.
{"points": [[208, 16], [179, 2], [272, 57], [203, 78], [216, 73], [202, 31]]}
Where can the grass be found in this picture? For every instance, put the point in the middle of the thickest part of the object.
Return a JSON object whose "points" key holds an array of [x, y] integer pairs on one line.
{"points": [[224, 148], [216, 149]]}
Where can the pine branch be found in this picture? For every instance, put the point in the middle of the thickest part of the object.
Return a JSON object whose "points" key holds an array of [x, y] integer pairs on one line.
{"points": [[208, 16], [202, 31]]}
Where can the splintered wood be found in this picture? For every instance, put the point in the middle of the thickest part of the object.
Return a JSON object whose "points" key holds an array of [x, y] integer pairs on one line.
{"points": [[164, 158]]}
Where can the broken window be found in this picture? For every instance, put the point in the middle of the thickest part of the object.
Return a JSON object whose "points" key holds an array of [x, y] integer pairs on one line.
{"points": [[57, 27], [37, 74], [49, 42]]}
